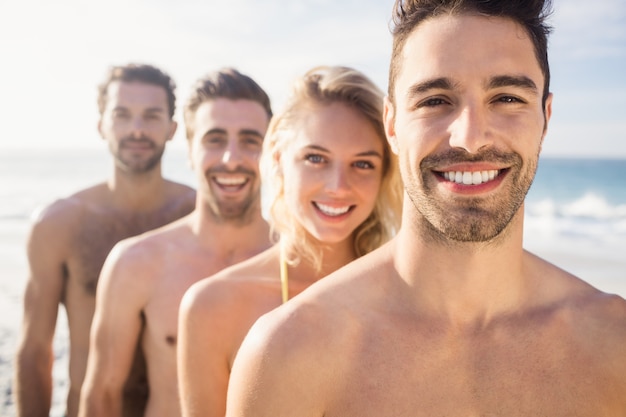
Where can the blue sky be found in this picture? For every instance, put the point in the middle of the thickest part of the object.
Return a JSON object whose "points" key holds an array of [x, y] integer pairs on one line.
{"points": [[55, 53]]}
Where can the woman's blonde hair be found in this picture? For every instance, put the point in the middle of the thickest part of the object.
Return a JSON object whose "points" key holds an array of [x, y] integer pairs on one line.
{"points": [[323, 86]]}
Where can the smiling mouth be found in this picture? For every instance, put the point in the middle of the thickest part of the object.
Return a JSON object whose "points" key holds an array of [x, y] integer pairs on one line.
{"points": [[333, 211], [231, 182], [471, 177]]}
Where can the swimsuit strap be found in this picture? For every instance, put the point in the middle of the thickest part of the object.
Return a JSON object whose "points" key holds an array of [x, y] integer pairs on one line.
{"points": [[284, 277]]}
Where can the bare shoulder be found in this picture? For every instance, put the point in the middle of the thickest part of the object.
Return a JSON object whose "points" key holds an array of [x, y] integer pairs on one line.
{"points": [[574, 294], [239, 284], [181, 195], [593, 320], [180, 189], [68, 208], [63, 217], [599, 319], [329, 315], [154, 247], [593, 324]]}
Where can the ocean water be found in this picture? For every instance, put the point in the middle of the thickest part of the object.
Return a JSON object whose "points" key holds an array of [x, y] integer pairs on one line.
{"points": [[578, 206]]}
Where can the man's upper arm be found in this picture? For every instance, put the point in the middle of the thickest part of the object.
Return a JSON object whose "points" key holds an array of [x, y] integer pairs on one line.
{"points": [[46, 249], [116, 326]]}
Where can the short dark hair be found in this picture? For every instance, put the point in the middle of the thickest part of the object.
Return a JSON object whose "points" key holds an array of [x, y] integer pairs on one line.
{"points": [[530, 14], [143, 73], [225, 83]]}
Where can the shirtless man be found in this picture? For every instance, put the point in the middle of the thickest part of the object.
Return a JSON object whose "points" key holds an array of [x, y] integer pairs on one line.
{"points": [[144, 278], [71, 238], [452, 317], [336, 195]]}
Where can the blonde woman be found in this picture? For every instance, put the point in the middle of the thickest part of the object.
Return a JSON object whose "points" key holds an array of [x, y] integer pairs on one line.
{"points": [[334, 194]]}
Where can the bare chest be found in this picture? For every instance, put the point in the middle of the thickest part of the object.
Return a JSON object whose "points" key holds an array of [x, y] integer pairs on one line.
{"points": [[176, 272], [527, 376], [94, 237]]}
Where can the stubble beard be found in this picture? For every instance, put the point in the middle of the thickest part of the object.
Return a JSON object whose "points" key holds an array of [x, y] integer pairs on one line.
{"points": [[138, 166], [480, 219], [236, 213], [239, 212]]}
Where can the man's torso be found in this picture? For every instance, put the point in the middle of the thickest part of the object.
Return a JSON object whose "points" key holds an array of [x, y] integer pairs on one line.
{"points": [[92, 231], [561, 358]]}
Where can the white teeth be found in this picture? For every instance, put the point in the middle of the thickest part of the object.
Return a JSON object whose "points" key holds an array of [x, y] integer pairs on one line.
{"points": [[332, 211], [471, 177], [230, 180]]}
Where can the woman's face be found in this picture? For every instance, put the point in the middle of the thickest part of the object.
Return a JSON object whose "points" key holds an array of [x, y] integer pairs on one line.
{"points": [[332, 171]]}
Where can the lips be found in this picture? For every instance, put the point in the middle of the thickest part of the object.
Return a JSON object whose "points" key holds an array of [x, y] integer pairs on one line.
{"points": [[141, 143], [333, 211], [471, 177], [230, 182]]}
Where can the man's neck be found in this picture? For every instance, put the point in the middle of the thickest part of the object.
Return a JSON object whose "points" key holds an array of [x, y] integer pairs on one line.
{"points": [[234, 237], [137, 192], [467, 283]]}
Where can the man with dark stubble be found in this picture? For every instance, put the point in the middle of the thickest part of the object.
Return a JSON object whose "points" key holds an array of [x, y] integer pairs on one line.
{"points": [[452, 317], [145, 277], [70, 239]]}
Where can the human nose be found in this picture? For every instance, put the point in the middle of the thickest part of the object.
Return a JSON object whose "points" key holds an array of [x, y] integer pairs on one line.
{"points": [[470, 130], [338, 180], [232, 155], [138, 127]]}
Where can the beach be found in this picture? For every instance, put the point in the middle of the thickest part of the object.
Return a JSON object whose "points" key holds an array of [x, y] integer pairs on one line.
{"points": [[587, 246]]}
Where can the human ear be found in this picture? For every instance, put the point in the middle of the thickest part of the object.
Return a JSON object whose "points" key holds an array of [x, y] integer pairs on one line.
{"points": [[173, 127], [547, 109], [190, 154], [547, 113], [389, 122], [100, 128]]}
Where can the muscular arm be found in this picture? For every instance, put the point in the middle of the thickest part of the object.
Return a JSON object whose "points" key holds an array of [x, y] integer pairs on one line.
{"points": [[204, 331], [115, 330], [44, 289]]}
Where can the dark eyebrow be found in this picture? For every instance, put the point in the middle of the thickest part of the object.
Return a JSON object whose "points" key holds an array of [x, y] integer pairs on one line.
{"points": [[215, 130], [435, 83], [495, 82], [148, 110], [155, 110], [366, 153], [251, 132], [512, 81], [220, 131]]}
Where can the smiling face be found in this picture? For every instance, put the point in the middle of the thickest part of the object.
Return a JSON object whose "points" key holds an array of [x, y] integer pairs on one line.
{"points": [[332, 171], [136, 125], [468, 123], [225, 150]]}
